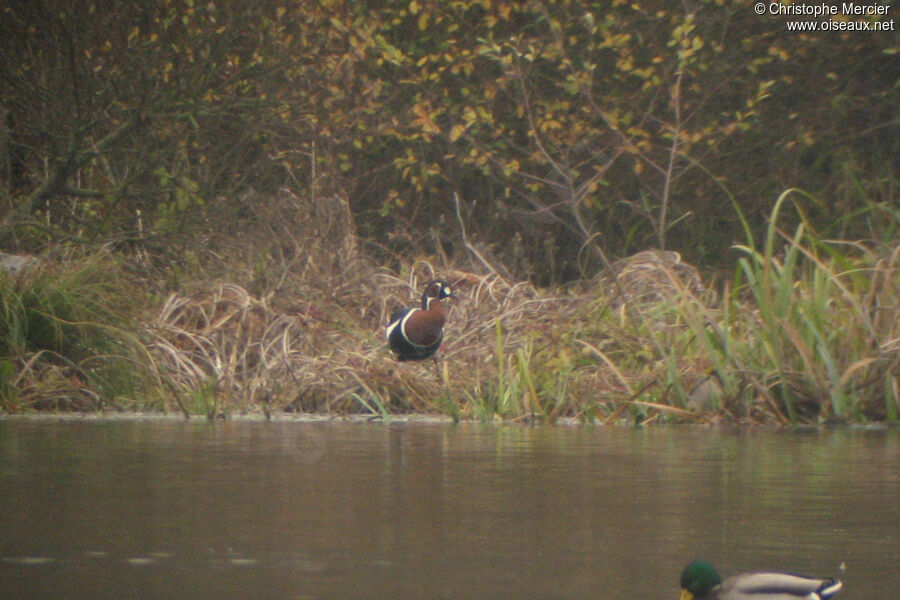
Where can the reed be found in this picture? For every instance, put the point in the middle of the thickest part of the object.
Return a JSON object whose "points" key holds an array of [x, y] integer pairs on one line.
{"points": [[807, 330]]}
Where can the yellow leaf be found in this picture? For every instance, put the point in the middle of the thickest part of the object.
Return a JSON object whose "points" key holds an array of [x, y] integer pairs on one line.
{"points": [[456, 132], [423, 119], [414, 7]]}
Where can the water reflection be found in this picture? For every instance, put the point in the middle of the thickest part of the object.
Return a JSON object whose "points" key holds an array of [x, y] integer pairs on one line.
{"points": [[159, 508]]}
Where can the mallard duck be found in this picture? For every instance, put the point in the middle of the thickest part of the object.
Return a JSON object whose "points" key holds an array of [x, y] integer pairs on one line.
{"points": [[700, 581]]}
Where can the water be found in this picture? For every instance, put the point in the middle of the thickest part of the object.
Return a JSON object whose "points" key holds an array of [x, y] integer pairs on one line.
{"points": [[167, 509]]}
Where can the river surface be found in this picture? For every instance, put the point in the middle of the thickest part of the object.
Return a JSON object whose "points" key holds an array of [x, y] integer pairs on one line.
{"points": [[168, 509]]}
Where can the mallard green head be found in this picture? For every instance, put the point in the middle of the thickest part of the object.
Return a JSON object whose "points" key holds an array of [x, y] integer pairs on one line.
{"points": [[697, 579]]}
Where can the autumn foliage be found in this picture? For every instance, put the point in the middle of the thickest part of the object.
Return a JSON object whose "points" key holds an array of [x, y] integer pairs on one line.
{"points": [[569, 131]]}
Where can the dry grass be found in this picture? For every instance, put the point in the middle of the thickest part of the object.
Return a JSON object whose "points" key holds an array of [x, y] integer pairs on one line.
{"points": [[510, 350], [297, 324], [311, 337], [646, 342]]}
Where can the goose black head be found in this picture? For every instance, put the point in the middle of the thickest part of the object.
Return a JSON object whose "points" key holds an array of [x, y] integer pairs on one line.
{"points": [[437, 289]]}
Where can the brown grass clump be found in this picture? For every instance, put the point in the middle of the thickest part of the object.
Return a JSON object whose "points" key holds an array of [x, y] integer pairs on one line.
{"points": [[237, 352], [303, 329], [223, 346], [510, 350], [650, 277]]}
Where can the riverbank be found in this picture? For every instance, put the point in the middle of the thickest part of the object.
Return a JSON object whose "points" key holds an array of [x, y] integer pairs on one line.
{"points": [[805, 335]]}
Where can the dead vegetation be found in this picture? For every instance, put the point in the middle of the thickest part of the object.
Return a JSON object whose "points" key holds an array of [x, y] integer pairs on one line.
{"points": [[296, 323], [311, 339]]}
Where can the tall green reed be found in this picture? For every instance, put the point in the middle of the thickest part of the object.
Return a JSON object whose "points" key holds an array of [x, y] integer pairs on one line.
{"points": [[795, 332]]}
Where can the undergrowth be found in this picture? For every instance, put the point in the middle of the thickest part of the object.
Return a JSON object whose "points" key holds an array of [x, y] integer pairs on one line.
{"points": [[805, 331]]}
